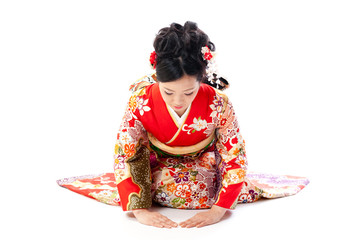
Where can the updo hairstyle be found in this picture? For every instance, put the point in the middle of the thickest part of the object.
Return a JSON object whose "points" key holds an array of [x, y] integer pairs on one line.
{"points": [[178, 52]]}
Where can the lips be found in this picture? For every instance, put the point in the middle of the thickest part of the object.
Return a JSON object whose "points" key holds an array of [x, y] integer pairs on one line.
{"points": [[177, 107]]}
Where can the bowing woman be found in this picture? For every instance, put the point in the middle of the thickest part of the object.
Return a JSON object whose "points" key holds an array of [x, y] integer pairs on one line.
{"points": [[179, 143]]}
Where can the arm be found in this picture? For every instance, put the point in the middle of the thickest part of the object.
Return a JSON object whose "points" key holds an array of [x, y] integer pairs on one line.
{"points": [[233, 165], [132, 169], [232, 169], [131, 161]]}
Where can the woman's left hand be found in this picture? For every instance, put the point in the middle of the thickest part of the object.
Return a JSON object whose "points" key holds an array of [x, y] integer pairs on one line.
{"points": [[202, 219]]}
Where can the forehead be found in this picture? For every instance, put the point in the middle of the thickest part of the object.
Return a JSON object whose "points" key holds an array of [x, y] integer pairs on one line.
{"points": [[181, 84]]}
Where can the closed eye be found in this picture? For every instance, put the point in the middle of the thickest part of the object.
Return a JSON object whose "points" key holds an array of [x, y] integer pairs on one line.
{"points": [[188, 94], [167, 93]]}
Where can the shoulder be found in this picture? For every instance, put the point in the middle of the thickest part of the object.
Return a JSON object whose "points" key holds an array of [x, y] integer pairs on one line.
{"points": [[222, 95], [214, 94], [138, 102], [141, 92], [142, 82]]}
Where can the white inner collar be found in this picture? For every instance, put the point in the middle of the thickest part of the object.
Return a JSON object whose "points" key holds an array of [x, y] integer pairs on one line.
{"points": [[179, 120]]}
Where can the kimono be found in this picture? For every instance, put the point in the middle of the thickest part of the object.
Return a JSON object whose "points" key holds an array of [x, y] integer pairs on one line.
{"points": [[193, 164]]}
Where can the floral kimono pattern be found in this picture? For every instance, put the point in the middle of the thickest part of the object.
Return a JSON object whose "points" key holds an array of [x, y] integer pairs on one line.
{"points": [[201, 163], [190, 166], [102, 187]]}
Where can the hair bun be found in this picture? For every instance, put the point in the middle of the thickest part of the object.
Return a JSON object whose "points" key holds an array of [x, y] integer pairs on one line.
{"points": [[168, 43], [178, 51]]}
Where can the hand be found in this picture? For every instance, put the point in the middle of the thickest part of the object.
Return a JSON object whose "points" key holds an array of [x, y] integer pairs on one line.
{"points": [[202, 219], [155, 219]]}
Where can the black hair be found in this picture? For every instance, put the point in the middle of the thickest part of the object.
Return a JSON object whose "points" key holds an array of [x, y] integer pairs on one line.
{"points": [[178, 52]]}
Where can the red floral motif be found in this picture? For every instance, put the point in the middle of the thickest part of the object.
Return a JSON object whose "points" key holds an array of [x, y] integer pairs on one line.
{"points": [[171, 187], [206, 53], [189, 165], [208, 56], [205, 165], [223, 122], [153, 59], [203, 200], [129, 149], [202, 186]]}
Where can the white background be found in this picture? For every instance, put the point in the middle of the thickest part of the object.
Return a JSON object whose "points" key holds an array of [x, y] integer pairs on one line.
{"points": [[65, 67]]}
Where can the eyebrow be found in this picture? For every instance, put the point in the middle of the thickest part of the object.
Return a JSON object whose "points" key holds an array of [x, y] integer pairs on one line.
{"points": [[174, 91]]}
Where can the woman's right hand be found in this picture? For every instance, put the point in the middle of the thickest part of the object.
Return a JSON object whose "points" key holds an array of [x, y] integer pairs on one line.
{"points": [[155, 219]]}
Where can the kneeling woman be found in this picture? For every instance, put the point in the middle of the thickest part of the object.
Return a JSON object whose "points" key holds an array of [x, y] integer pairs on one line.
{"points": [[179, 143]]}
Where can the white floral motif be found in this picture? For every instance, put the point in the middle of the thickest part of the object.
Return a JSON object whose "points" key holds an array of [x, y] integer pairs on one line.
{"points": [[217, 106], [210, 129], [124, 136], [198, 125], [119, 162], [141, 105]]}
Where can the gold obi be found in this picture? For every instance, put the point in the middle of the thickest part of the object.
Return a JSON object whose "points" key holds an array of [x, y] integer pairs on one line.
{"points": [[183, 149]]}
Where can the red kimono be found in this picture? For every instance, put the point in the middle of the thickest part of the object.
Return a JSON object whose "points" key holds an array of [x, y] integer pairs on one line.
{"points": [[194, 164]]}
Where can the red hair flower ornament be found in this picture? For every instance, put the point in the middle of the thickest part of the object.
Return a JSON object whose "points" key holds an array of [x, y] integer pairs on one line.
{"points": [[212, 75], [153, 59], [206, 53]]}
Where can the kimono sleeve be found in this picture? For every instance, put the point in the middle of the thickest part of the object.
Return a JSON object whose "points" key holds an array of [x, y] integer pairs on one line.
{"points": [[131, 160], [233, 164]]}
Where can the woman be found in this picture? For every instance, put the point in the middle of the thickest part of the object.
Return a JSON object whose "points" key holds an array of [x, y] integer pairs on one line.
{"points": [[179, 143]]}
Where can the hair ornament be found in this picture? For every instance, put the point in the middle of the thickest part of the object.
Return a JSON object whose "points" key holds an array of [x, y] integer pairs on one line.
{"points": [[211, 70], [153, 59], [206, 53]]}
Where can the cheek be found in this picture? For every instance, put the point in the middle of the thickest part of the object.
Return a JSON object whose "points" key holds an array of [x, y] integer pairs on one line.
{"points": [[190, 100], [192, 97], [166, 98]]}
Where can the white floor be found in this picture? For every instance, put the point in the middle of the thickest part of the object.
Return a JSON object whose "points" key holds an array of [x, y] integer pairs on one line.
{"points": [[65, 67], [62, 214]]}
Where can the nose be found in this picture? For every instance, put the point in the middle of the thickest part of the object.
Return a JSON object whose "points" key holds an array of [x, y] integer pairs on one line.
{"points": [[178, 100]]}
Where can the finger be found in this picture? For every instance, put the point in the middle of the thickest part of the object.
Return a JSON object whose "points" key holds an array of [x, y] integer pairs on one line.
{"points": [[174, 224], [168, 224], [157, 224], [202, 224], [161, 224], [207, 222], [200, 221], [165, 222], [190, 220], [165, 219], [189, 223], [185, 223], [195, 223]]}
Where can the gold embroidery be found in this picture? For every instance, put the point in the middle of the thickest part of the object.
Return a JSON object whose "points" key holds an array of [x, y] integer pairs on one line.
{"points": [[140, 173]]}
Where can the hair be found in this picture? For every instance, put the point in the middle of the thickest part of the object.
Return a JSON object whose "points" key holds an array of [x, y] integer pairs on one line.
{"points": [[178, 52]]}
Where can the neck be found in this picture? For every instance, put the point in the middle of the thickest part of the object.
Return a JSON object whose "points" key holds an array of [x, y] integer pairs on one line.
{"points": [[180, 113]]}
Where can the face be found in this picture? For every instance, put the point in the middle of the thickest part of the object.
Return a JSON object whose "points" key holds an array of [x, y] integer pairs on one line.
{"points": [[179, 94]]}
